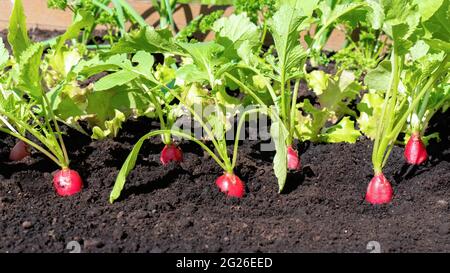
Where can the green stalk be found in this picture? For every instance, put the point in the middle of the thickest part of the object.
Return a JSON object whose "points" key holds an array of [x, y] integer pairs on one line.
{"points": [[245, 88], [169, 13], [293, 113], [222, 141], [132, 12], [47, 142], [120, 17], [166, 138], [221, 163], [61, 145], [389, 117], [392, 133], [269, 87], [238, 134], [283, 96], [263, 36], [431, 81], [423, 108], [380, 128], [200, 120]]}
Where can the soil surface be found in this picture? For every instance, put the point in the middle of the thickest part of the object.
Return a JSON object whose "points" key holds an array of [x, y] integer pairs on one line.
{"points": [[179, 208]]}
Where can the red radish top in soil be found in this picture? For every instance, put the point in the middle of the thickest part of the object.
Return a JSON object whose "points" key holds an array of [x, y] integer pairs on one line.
{"points": [[293, 161], [171, 153], [379, 190], [415, 150], [67, 182], [231, 185], [19, 151]]}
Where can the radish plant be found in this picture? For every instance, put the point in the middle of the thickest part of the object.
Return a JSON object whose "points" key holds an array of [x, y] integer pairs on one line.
{"points": [[271, 84], [19, 119], [401, 22], [201, 79], [215, 130], [25, 110], [434, 100]]}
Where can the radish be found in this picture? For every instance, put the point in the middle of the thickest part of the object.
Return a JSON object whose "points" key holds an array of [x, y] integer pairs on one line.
{"points": [[293, 161], [415, 150], [19, 151], [67, 182], [231, 185], [171, 153], [379, 190]]}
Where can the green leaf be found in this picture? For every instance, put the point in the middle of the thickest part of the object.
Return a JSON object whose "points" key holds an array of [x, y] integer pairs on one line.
{"points": [[82, 20], [64, 60], [376, 14], [337, 95], [378, 79], [279, 135], [428, 7], [419, 50], [29, 71], [146, 39], [127, 167], [17, 31], [344, 131], [129, 72], [350, 12], [318, 81], [401, 21], [285, 29], [112, 127], [310, 124], [193, 95], [370, 109], [116, 79], [307, 7], [232, 32], [205, 57], [437, 44], [190, 73], [102, 105], [438, 26], [88, 68]]}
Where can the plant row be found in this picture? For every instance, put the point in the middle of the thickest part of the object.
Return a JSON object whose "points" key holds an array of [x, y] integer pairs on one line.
{"points": [[392, 77]]}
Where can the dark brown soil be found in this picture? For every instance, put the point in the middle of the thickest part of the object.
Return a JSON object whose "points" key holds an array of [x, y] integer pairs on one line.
{"points": [[179, 208]]}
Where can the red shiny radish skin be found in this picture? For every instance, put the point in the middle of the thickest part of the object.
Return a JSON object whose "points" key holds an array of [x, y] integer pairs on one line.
{"points": [[231, 185], [171, 153], [293, 160], [67, 182], [19, 151], [415, 150], [379, 190]]}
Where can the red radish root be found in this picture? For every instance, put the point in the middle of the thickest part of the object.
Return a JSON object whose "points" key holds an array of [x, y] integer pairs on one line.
{"points": [[67, 182], [415, 150], [231, 185], [171, 153], [293, 161], [379, 190], [19, 151]]}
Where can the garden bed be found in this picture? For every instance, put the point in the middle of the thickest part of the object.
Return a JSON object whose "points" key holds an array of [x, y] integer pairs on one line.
{"points": [[50, 89], [179, 208]]}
